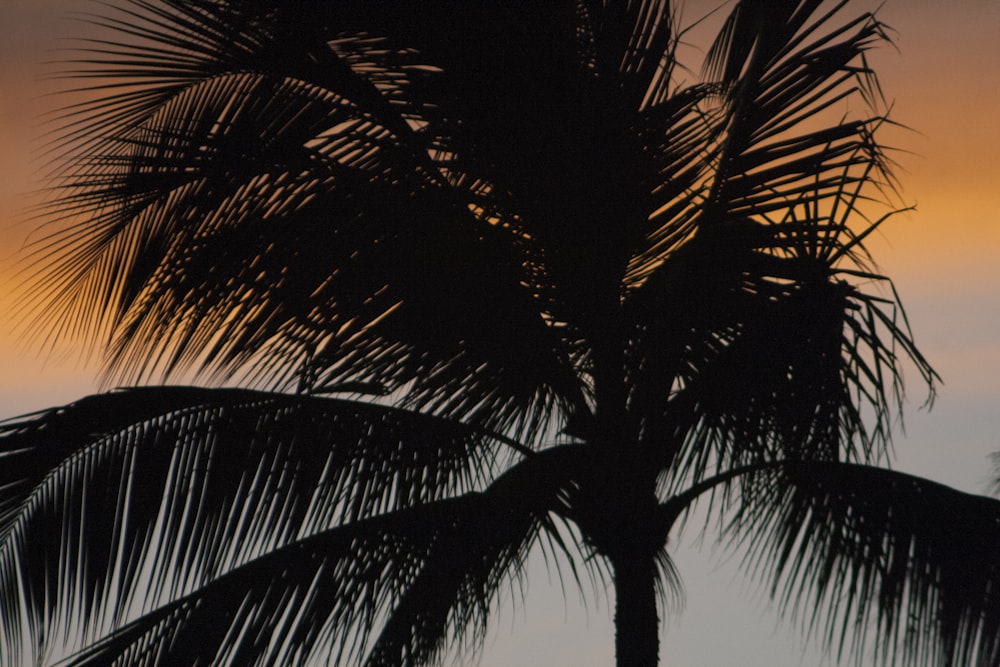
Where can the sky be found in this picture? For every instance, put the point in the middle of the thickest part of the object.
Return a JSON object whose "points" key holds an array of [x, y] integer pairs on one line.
{"points": [[943, 77]]}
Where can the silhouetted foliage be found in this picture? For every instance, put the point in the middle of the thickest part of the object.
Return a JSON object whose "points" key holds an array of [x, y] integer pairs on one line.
{"points": [[566, 287]]}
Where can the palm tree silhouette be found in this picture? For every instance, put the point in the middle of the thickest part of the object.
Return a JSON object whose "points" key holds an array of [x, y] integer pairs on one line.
{"points": [[475, 279]]}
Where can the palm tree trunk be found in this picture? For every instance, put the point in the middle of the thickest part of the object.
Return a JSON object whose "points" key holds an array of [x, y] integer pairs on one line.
{"points": [[637, 624]]}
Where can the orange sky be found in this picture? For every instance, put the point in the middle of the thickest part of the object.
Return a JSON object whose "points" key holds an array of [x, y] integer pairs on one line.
{"points": [[945, 257], [946, 85], [944, 82]]}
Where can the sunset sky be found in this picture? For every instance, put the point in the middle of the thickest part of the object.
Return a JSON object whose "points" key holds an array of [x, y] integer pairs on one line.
{"points": [[944, 81]]}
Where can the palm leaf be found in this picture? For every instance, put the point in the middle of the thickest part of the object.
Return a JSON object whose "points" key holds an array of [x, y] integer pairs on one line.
{"points": [[173, 486], [869, 558], [323, 595], [759, 355], [423, 573], [788, 65]]}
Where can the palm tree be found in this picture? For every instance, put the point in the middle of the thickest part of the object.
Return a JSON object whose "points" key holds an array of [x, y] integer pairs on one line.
{"points": [[471, 280]]}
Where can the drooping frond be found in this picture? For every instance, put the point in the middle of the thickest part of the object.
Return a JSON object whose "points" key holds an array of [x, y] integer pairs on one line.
{"points": [[390, 590], [323, 598], [452, 594], [155, 492], [897, 569]]}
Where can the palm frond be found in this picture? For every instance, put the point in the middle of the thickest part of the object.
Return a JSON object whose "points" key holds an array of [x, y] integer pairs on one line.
{"points": [[789, 66], [754, 329], [895, 568], [677, 134], [270, 202], [452, 594], [322, 597], [172, 486], [751, 355]]}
